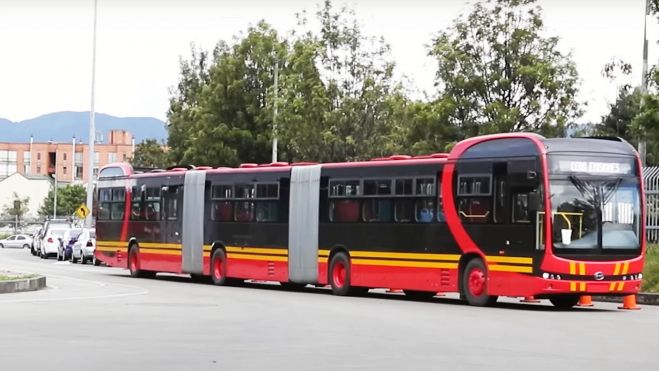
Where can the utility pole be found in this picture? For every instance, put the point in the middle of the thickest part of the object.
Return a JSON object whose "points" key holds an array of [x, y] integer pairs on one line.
{"points": [[274, 116], [92, 130], [55, 192], [644, 79]]}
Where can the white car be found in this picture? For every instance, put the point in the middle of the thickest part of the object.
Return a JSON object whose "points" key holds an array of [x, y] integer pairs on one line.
{"points": [[17, 240], [52, 240], [83, 248]]}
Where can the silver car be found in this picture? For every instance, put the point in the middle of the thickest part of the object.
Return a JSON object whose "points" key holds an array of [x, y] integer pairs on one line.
{"points": [[18, 240], [83, 248]]}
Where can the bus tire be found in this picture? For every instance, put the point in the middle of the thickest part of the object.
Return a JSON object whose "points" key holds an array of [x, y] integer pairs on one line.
{"points": [[134, 264], [419, 295], [564, 301], [339, 276], [219, 268], [474, 284]]}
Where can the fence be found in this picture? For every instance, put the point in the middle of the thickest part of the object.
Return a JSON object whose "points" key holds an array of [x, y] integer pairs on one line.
{"points": [[651, 182]]}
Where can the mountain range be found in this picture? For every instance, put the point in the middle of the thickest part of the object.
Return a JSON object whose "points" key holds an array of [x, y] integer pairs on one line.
{"points": [[63, 126]]}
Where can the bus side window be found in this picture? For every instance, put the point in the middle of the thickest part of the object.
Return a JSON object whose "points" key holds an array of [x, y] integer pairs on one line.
{"points": [[425, 210], [344, 211], [520, 208], [404, 211]]}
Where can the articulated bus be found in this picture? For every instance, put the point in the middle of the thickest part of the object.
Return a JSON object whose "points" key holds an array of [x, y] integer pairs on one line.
{"points": [[500, 215]]}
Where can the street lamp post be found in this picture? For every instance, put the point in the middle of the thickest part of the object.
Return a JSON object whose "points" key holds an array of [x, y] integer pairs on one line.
{"points": [[55, 197], [92, 129]]}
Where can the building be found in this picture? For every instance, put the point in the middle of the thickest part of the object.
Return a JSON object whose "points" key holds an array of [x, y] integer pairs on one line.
{"points": [[69, 161], [36, 187]]}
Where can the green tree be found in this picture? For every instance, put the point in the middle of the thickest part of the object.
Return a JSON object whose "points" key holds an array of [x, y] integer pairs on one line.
{"points": [[339, 98], [9, 208], [150, 154], [184, 103], [498, 72], [69, 198]]}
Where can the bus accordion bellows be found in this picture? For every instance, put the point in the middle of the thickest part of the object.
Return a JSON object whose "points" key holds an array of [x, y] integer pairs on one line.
{"points": [[500, 215]]}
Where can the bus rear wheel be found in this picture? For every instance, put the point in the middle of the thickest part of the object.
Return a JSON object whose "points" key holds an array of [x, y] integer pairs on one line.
{"points": [[339, 276], [219, 268], [564, 301], [474, 284], [134, 265]]}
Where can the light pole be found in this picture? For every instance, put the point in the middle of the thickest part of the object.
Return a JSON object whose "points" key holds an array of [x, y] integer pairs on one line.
{"points": [[55, 197], [92, 130], [644, 77], [274, 115]]}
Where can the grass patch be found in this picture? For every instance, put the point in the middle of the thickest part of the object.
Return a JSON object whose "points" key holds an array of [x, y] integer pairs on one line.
{"points": [[651, 270], [18, 276]]}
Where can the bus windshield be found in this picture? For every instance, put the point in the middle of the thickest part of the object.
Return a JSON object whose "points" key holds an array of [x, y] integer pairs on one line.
{"points": [[595, 213]]}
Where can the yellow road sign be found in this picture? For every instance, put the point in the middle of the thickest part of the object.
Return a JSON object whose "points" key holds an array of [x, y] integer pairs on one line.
{"points": [[82, 211]]}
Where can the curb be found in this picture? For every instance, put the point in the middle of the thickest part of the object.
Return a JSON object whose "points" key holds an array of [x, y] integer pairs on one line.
{"points": [[646, 299], [25, 284]]}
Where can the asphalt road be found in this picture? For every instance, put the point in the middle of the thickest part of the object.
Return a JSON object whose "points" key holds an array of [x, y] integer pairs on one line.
{"points": [[98, 318]]}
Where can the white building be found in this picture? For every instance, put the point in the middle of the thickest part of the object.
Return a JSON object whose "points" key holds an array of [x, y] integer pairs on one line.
{"points": [[36, 187]]}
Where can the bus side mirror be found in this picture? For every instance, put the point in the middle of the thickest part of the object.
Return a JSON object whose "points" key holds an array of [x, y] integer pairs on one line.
{"points": [[534, 201]]}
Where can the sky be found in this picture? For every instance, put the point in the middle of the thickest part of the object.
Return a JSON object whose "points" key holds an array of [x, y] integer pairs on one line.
{"points": [[46, 46]]}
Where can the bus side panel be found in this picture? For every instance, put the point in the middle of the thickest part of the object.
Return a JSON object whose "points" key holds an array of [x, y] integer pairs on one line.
{"points": [[257, 269], [411, 278]]}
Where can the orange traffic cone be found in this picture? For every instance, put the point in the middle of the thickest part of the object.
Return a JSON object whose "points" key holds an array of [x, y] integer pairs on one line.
{"points": [[394, 291], [585, 301], [629, 303], [529, 299]]}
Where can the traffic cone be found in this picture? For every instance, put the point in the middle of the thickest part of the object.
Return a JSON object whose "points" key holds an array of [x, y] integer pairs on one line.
{"points": [[585, 301], [529, 299], [629, 303]]}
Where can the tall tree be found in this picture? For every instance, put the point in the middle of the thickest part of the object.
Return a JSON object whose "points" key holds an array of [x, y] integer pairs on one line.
{"points": [[338, 93], [500, 73], [69, 198], [184, 103], [150, 154]]}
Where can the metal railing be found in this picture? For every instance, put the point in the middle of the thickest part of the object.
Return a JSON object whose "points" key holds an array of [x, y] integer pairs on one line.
{"points": [[651, 183]]}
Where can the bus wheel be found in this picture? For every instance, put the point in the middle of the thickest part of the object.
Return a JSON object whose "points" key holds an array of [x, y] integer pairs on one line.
{"points": [[219, 268], [564, 301], [134, 265], [419, 295], [339, 276], [474, 284]]}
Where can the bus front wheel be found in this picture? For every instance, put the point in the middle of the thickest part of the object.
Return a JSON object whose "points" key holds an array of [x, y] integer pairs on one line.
{"points": [[475, 282]]}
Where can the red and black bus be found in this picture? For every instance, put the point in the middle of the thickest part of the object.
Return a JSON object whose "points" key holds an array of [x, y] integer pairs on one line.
{"points": [[500, 215]]}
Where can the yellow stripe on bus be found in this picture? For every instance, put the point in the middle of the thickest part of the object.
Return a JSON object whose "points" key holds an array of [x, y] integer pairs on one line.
{"points": [[257, 257], [612, 286], [404, 256], [621, 285], [573, 286], [509, 268], [617, 269], [573, 268], [160, 251], [256, 250], [582, 269], [510, 259], [625, 268], [582, 286], [404, 263]]}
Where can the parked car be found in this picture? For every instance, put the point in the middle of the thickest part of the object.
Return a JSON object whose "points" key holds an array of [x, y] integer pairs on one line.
{"points": [[84, 247], [17, 240], [36, 240], [66, 243], [42, 240], [52, 241]]}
